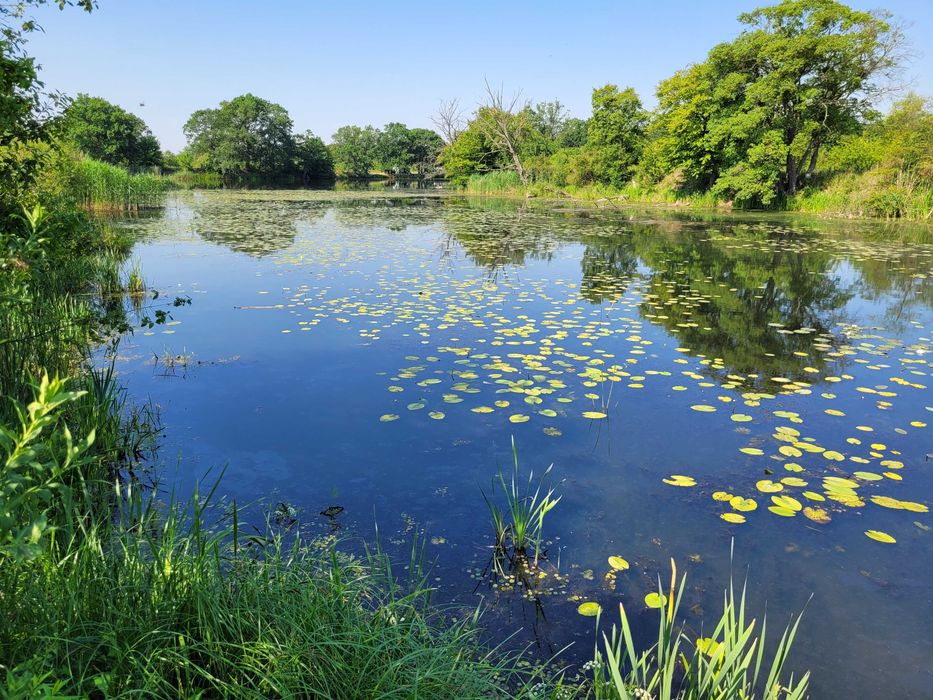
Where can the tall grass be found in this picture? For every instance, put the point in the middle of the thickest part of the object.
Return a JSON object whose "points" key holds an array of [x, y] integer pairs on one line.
{"points": [[728, 663], [102, 186], [880, 192], [156, 600], [60, 272], [494, 182]]}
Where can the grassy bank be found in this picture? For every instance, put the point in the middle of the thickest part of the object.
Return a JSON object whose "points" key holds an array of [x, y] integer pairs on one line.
{"points": [[873, 194], [876, 193]]}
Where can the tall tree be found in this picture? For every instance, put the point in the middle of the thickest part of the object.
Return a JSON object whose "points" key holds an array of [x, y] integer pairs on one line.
{"points": [[355, 150], [425, 147], [312, 159], [616, 132], [470, 153], [104, 131], [505, 124], [393, 148], [755, 117], [243, 136]]}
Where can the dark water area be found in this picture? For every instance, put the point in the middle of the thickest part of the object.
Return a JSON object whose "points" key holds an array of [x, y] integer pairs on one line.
{"points": [[379, 351]]}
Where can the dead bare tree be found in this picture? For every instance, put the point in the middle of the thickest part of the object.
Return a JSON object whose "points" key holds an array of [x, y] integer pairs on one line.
{"points": [[504, 124], [449, 120]]}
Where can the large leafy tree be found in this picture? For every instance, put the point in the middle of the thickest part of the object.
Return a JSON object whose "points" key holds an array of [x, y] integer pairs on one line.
{"points": [[425, 146], [399, 149], [245, 136], [104, 131], [470, 153], [393, 148], [312, 159], [753, 119], [25, 109], [616, 132], [355, 150]]}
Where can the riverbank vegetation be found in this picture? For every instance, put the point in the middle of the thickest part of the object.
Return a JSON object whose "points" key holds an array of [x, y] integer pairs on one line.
{"points": [[798, 112], [784, 116]]}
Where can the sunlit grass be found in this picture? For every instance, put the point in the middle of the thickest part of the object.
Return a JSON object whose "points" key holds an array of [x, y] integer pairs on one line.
{"points": [[103, 186], [527, 503], [728, 661]]}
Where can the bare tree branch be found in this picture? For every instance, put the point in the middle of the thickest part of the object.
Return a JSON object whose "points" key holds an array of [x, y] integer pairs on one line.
{"points": [[504, 126], [449, 120]]}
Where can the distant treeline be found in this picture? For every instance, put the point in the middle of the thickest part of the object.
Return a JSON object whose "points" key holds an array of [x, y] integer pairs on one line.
{"points": [[784, 112], [784, 116]]}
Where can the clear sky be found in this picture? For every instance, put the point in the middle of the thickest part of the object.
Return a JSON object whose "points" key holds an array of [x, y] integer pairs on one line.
{"points": [[365, 62]]}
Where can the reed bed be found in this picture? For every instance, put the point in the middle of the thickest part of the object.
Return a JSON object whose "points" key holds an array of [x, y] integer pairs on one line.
{"points": [[104, 187]]}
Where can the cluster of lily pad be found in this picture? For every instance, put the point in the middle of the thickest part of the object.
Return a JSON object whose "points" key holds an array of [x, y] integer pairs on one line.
{"points": [[650, 312]]}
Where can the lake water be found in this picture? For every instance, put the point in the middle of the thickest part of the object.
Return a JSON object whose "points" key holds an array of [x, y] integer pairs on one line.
{"points": [[379, 352]]}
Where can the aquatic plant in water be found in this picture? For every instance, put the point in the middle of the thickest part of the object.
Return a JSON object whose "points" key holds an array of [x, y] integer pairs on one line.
{"points": [[527, 503], [726, 664]]}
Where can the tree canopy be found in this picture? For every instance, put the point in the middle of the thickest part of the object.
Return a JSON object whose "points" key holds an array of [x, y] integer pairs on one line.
{"points": [[616, 131], [752, 119], [394, 149], [106, 132], [252, 137]]}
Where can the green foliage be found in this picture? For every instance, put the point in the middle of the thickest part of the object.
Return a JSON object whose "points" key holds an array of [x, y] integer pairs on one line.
{"points": [[751, 121], [573, 133], [102, 186], [33, 469], [106, 132], [312, 159], [616, 132], [249, 138], [399, 150], [354, 149], [424, 148], [568, 167], [243, 136], [756, 178], [24, 108], [527, 503], [51, 263], [726, 664], [494, 182], [469, 154]]}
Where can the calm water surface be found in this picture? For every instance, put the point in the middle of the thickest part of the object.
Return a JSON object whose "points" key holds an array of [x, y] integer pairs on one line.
{"points": [[337, 348]]}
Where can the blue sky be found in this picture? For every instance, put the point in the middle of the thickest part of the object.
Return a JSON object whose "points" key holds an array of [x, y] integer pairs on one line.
{"points": [[356, 62]]}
